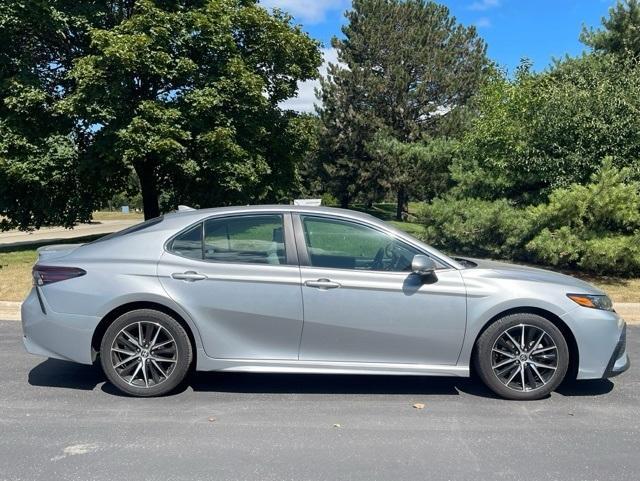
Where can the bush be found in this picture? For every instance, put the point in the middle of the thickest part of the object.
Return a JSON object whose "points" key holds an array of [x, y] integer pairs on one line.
{"points": [[594, 227], [613, 255], [474, 226]]}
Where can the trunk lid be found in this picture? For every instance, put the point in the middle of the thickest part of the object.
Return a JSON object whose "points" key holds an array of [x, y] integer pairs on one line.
{"points": [[55, 251]]}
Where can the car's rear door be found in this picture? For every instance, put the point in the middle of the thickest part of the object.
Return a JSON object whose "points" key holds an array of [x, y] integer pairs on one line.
{"points": [[238, 278], [362, 303]]}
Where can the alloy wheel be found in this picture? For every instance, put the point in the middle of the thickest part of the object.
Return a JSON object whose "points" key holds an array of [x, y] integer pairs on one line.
{"points": [[144, 354], [524, 357]]}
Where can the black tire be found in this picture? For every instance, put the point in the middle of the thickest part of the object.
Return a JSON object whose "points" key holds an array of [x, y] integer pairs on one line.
{"points": [[175, 364], [486, 360]]}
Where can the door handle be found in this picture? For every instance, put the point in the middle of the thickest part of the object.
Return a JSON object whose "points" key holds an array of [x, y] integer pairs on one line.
{"points": [[322, 284], [189, 276]]}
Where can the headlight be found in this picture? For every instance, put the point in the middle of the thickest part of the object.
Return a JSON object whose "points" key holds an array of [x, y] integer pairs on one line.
{"points": [[592, 301]]}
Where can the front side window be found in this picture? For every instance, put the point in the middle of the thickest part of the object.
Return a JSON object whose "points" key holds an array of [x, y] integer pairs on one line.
{"points": [[249, 239], [339, 244]]}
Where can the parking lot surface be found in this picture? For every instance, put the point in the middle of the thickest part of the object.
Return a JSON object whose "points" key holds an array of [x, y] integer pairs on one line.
{"points": [[60, 421]]}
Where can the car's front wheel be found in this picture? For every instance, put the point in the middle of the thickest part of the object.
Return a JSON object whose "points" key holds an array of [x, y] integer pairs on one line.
{"points": [[522, 356], [145, 353]]}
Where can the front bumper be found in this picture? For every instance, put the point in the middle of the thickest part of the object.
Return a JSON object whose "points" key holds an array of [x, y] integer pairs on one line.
{"points": [[601, 340], [619, 361], [52, 334]]}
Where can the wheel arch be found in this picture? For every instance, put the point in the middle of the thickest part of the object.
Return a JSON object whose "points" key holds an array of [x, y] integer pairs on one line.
{"points": [[112, 315], [574, 353]]}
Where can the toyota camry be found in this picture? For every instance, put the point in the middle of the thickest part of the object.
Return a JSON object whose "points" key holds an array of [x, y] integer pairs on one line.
{"points": [[293, 289]]}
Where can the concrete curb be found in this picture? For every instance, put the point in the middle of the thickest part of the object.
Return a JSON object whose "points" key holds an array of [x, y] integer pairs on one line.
{"points": [[10, 311], [630, 311]]}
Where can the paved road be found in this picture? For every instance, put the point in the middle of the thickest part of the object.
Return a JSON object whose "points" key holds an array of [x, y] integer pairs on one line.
{"points": [[59, 421]]}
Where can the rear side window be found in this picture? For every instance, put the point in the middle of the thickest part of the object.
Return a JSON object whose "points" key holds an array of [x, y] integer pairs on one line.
{"points": [[250, 239], [189, 243]]}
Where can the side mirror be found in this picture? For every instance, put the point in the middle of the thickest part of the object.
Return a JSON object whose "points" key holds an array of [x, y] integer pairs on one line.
{"points": [[422, 265]]}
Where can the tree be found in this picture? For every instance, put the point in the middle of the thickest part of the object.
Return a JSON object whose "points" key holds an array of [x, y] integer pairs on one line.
{"points": [[184, 93], [539, 132], [416, 168], [44, 176], [407, 65], [621, 32]]}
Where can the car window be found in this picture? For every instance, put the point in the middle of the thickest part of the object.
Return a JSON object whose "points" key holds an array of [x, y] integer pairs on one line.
{"points": [[252, 239], [189, 243], [342, 244]]}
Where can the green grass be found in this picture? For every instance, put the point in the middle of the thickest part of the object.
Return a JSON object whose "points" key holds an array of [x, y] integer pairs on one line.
{"points": [[15, 273]]}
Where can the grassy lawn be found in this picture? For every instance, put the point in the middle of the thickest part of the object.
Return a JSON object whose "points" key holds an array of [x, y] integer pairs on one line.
{"points": [[15, 273], [15, 265]]}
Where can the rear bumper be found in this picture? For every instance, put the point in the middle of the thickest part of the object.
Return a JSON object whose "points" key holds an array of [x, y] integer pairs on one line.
{"points": [[52, 334]]}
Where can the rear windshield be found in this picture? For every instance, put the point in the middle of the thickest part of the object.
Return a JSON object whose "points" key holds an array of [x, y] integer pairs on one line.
{"points": [[130, 230]]}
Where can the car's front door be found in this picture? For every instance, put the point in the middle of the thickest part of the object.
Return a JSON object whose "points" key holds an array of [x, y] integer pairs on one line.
{"points": [[363, 304], [238, 278]]}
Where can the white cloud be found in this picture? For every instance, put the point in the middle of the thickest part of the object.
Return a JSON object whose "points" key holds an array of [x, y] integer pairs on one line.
{"points": [[482, 5], [308, 11], [483, 22], [306, 97]]}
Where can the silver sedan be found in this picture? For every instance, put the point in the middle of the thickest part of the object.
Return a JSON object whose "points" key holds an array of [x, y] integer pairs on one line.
{"points": [[310, 290]]}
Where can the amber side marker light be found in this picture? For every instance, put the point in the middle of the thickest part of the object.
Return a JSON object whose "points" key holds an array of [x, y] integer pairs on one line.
{"points": [[592, 301]]}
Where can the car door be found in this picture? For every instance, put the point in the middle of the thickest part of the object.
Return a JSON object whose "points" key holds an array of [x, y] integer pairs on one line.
{"points": [[238, 278], [363, 304]]}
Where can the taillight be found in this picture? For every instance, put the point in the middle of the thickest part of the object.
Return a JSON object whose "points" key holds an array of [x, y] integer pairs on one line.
{"points": [[43, 275]]}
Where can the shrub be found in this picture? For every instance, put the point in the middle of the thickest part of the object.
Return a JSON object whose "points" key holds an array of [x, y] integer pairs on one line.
{"points": [[612, 255], [474, 226], [556, 248], [595, 227]]}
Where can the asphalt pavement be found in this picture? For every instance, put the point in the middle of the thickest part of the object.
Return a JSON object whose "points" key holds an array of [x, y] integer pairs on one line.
{"points": [[60, 421]]}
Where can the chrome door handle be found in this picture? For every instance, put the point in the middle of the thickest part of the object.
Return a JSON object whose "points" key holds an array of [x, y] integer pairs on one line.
{"points": [[189, 276], [322, 284]]}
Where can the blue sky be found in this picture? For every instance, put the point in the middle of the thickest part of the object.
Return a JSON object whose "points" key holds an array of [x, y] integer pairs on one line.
{"points": [[536, 29]]}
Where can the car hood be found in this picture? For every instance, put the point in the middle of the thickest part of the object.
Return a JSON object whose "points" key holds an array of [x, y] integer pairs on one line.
{"points": [[505, 270]]}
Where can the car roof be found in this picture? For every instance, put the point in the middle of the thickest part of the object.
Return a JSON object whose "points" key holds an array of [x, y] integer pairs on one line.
{"points": [[274, 207]]}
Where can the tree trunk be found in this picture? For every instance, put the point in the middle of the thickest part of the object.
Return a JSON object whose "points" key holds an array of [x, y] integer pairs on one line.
{"points": [[344, 201], [401, 205], [149, 188]]}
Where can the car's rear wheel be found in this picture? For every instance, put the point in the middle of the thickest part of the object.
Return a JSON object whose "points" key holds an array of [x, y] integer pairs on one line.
{"points": [[522, 356], [145, 353]]}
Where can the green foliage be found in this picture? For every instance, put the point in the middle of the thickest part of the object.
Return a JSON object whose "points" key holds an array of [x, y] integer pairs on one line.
{"points": [[621, 32], [184, 93], [406, 71], [594, 227], [474, 226], [411, 168], [540, 132]]}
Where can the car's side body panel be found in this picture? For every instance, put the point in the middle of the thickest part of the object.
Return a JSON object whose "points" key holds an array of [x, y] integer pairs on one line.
{"points": [[392, 317], [242, 311]]}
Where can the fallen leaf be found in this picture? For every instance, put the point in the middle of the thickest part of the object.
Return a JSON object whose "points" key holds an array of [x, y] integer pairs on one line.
{"points": [[418, 405]]}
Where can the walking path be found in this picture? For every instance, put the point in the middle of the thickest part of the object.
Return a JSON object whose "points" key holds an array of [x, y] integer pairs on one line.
{"points": [[16, 238]]}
